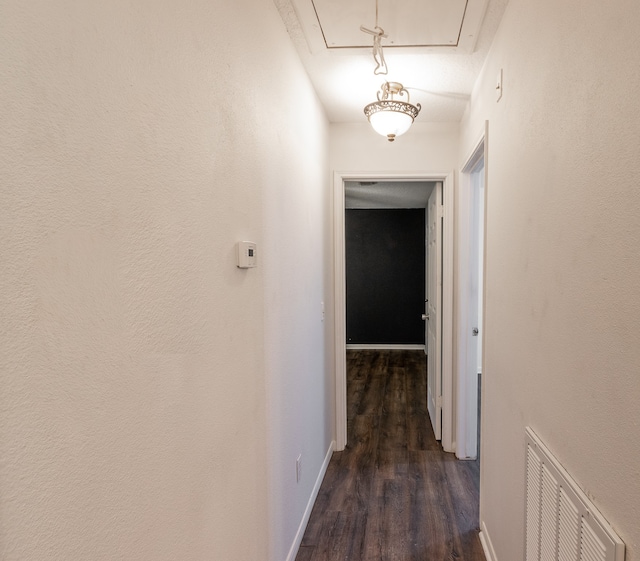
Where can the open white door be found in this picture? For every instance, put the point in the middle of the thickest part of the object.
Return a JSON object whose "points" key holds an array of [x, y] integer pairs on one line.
{"points": [[433, 316], [473, 327], [470, 300]]}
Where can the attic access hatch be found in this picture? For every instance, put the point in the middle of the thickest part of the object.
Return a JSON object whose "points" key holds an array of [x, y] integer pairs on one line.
{"points": [[438, 25]]}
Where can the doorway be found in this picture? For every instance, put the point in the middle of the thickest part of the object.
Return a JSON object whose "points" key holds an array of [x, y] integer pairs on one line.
{"points": [[385, 264], [471, 301], [340, 179]]}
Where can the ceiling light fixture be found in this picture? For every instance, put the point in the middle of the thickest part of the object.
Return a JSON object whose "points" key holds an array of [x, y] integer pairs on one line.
{"points": [[391, 117], [388, 116]]}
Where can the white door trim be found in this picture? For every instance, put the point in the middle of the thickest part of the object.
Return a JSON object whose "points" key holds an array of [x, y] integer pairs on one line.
{"points": [[466, 394], [340, 330]]}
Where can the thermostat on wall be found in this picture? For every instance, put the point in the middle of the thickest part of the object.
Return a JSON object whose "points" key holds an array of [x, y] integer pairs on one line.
{"points": [[247, 257]]}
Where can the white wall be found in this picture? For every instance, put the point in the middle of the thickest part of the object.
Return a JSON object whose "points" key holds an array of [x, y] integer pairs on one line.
{"points": [[153, 395], [562, 301], [356, 147], [298, 342]]}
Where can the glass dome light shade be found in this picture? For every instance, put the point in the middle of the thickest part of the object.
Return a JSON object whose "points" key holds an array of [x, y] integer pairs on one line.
{"points": [[391, 118], [390, 123]]}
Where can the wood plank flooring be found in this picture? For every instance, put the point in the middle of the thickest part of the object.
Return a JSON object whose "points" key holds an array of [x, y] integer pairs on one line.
{"points": [[393, 494]]}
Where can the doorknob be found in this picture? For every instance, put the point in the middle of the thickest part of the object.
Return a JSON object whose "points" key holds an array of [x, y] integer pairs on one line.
{"points": [[425, 316]]}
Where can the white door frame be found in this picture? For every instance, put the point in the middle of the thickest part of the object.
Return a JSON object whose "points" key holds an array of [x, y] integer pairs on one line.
{"points": [[466, 386], [340, 326]]}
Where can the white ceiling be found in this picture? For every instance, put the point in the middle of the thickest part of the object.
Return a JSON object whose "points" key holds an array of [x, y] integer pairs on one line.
{"points": [[409, 23], [436, 48], [387, 194]]}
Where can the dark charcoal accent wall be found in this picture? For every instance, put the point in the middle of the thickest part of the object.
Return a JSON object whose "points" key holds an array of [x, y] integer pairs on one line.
{"points": [[385, 270]]}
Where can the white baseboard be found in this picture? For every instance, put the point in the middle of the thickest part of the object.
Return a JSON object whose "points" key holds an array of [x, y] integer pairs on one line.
{"points": [[487, 546], [293, 551], [383, 347]]}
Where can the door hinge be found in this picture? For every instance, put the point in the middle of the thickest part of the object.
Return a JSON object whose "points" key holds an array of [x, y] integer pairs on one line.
{"points": [[439, 401]]}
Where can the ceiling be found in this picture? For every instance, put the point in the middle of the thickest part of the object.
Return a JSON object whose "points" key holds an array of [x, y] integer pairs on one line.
{"points": [[436, 48], [387, 194]]}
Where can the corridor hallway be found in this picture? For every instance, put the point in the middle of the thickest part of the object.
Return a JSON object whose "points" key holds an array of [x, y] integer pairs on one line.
{"points": [[393, 494]]}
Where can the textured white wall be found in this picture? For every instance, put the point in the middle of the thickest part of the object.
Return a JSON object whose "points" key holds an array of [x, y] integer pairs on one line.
{"points": [[563, 262], [356, 147], [139, 142], [298, 343]]}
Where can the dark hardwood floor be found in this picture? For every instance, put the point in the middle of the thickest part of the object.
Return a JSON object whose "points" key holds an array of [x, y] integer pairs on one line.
{"points": [[393, 494]]}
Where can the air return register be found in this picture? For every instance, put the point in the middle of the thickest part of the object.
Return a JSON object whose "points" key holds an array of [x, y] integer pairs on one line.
{"points": [[562, 524]]}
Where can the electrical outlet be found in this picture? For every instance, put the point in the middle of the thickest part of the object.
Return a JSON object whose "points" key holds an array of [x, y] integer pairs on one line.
{"points": [[299, 468]]}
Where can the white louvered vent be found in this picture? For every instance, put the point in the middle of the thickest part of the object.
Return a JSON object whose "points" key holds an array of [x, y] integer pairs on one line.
{"points": [[562, 524]]}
